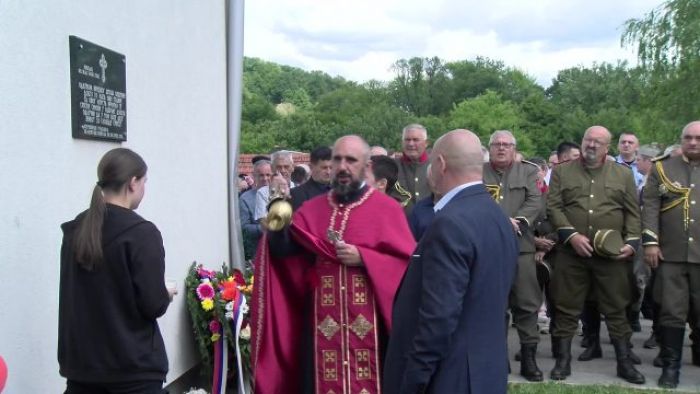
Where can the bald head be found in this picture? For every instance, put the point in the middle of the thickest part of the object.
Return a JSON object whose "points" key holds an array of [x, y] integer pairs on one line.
{"points": [[594, 146], [456, 159], [349, 163], [355, 143], [690, 141]]}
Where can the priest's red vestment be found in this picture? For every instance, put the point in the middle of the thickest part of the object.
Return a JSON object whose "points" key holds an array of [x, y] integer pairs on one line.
{"points": [[349, 302]]}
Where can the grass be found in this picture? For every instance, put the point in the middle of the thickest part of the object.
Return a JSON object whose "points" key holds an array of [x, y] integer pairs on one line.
{"points": [[560, 388]]}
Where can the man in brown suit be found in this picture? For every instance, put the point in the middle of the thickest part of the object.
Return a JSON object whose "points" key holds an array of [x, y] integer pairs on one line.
{"points": [[513, 185], [586, 196], [671, 240], [412, 184]]}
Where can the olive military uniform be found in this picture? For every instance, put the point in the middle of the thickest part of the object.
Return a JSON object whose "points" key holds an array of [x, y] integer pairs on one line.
{"points": [[412, 183], [671, 220], [583, 201], [516, 191]]}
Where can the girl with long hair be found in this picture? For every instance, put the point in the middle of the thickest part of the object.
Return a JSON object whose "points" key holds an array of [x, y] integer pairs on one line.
{"points": [[112, 288]]}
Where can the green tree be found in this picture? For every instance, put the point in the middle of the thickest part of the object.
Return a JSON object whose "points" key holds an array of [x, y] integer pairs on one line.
{"points": [[422, 86], [667, 40], [487, 113], [473, 78]]}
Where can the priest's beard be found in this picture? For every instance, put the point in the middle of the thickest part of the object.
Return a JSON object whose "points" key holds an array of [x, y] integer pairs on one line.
{"points": [[345, 193]]}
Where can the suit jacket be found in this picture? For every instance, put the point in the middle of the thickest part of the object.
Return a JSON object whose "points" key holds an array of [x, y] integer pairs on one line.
{"points": [[307, 191], [448, 334]]}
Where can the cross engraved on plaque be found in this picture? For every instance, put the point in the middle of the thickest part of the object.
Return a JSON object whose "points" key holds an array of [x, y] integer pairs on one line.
{"points": [[103, 66]]}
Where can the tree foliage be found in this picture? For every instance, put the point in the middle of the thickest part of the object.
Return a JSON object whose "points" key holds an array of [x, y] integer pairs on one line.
{"points": [[286, 107], [667, 40]]}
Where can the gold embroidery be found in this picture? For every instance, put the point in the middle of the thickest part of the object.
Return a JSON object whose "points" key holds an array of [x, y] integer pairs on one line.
{"points": [[330, 370], [362, 364], [362, 355], [328, 299], [494, 191], [327, 290], [359, 290], [327, 282], [328, 327], [361, 326], [330, 374], [364, 391]]}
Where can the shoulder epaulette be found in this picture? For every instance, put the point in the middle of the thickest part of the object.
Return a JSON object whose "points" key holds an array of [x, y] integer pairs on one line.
{"points": [[530, 163], [662, 157]]}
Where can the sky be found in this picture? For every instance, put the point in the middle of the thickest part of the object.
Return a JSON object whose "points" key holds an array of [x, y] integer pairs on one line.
{"points": [[360, 39]]}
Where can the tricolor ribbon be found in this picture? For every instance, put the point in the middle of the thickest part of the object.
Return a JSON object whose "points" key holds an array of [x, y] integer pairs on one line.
{"points": [[236, 324], [221, 352], [218, 386]]}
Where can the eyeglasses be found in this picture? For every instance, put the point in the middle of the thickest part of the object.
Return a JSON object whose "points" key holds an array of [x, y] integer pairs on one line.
{"points": [[504, 145]]}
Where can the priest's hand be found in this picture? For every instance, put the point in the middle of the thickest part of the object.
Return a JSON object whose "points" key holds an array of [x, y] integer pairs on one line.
{"points": [[348, 254]]}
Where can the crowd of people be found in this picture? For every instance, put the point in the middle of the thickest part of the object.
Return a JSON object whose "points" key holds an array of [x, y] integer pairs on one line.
{"points": [[394, 274], [403, 274]]}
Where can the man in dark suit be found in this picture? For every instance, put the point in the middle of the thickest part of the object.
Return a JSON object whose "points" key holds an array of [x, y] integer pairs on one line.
{"points": [[448, 313], [320, 181]]}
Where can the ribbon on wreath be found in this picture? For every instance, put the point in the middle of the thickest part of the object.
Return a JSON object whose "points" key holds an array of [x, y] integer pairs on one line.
{"points": [[218, 386], [236, 324], [221, 350]]}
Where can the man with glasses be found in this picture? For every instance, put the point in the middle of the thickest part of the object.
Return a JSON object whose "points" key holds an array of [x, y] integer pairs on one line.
{"points": [[513, 184], [593, 204]]}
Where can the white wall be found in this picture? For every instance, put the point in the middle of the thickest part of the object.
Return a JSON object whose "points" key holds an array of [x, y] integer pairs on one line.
{"points": [[176, 116]]}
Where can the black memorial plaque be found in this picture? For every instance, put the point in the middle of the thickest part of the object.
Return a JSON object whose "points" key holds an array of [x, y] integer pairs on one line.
{"points": [[98, 91]]}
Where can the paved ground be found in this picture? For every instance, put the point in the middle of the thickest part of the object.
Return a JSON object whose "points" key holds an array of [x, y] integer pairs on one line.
{"points": [[602, 371]]}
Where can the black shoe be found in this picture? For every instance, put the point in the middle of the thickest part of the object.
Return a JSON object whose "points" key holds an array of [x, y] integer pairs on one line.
{"points": [[555, 346], [562, 366], [651, 342], [634, 358], [586, 341], [592, 351], [528, 364], [625, 368], [671, 354], [695, 356]]}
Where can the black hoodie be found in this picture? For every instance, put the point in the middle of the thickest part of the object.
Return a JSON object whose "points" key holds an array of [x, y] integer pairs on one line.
{"points": [[107, 329]]}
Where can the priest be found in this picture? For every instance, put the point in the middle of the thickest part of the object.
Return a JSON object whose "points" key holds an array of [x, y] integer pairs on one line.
{"points": [[325, 284]]}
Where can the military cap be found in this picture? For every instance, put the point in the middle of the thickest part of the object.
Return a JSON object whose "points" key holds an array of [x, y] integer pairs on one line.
{"points": [[607, 243]]}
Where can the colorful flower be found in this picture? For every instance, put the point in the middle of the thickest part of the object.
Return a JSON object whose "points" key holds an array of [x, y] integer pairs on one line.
{"points": [[229, 290], [205, 273], [214, 326], [205, 291], [215, 337], [207, 304], [228, 315], [229, 306], [245, 333]]}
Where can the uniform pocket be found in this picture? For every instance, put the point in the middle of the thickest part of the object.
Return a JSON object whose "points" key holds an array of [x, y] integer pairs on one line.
{"points": [[615, 192]]}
